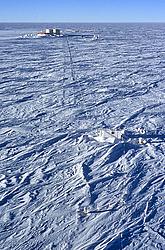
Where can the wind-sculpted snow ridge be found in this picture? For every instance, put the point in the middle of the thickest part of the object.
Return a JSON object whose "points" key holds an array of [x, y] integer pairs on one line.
{"points": [[82, 137]]}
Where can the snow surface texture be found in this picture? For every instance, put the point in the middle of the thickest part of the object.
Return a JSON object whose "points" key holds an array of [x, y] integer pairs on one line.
{"points": [[60, 188]]}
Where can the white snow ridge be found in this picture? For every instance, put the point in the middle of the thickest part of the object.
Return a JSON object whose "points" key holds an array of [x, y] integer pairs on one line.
{"points": [[82, 132]]}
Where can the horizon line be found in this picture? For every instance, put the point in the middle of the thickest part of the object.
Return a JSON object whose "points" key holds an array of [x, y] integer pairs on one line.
{"points": [[84, 22]]}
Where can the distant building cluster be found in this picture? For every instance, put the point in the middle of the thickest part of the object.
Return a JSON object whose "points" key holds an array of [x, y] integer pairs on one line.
{"points": [[49, 32]]}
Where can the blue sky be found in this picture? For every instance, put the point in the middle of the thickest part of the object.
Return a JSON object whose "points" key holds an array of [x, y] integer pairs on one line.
{"points": [[82, 10]]}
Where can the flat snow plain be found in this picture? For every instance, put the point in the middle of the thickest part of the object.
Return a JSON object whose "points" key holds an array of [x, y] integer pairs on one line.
{"points": [[55, 95]]}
